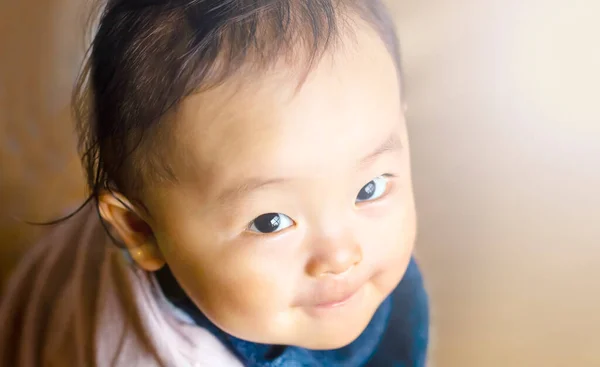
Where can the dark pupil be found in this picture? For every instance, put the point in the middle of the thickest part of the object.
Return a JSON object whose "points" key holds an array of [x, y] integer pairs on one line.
{"points": [[267, 223], [367, 191]]}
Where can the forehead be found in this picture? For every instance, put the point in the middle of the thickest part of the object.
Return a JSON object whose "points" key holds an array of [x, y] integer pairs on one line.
{"points": [[347, 105]]}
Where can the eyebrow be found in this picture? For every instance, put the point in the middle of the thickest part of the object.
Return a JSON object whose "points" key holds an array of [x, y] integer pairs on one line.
{"points": [[391, 144], [249, 185]]}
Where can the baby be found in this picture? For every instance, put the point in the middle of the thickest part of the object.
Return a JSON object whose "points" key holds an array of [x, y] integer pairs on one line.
{"points": [[251, 200]]}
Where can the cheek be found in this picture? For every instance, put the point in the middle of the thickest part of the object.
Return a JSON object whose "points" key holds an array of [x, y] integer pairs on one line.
{"points": [[391, 234], [393, 243], [246, 295], [239, 288]]}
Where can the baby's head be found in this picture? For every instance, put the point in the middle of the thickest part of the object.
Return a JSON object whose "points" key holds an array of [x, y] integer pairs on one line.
{"points": [[259, 149]]}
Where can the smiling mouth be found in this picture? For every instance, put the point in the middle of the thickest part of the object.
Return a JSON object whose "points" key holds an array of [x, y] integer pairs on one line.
{"points": [[337, 299], [338, 302], [334, 294]]}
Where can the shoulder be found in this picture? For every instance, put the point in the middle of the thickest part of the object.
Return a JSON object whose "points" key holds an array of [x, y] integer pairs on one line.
{"points": [[406, 338], [76, 301], [154, 330], [53, 285]]}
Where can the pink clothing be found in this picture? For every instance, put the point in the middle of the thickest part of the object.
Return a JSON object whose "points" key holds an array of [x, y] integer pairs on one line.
{"points": [[77, 301]]}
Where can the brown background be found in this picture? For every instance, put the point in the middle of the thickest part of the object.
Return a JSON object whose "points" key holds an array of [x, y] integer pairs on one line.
{"points": [[40, 51], [506, 141]]}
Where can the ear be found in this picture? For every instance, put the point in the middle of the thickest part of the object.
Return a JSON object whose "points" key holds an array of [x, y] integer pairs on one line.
{"points": [[135, 232]]}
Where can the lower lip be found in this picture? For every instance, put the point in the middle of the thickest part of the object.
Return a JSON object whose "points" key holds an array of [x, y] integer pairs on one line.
{"points": [[338, 304]]}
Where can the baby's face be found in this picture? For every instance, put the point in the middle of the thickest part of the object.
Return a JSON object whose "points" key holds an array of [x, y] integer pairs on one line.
{"points": [[294, 216]]}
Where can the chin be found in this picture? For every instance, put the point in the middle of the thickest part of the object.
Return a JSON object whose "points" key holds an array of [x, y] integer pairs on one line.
{"points": [[334, 342], [330, 341]]}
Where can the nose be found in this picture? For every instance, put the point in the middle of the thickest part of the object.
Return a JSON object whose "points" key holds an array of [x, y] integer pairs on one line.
{"points": [[334, 258]]}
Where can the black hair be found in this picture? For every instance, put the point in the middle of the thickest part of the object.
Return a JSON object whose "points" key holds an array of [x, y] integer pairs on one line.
{"points": [[148, 55]]}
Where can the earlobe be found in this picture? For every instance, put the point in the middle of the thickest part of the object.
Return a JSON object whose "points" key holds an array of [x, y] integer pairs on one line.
{"points": [[133, 230], [147, 256]]}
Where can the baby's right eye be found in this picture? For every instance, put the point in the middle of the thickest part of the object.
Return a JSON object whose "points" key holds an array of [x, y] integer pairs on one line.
{"points": [[270, 223]]}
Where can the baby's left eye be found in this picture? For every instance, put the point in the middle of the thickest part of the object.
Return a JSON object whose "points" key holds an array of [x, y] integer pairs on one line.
{"points": [[270, 223], [373, 190]]}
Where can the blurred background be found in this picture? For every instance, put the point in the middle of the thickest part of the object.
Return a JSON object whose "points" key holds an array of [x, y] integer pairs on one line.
{"points": [[503, 109]]}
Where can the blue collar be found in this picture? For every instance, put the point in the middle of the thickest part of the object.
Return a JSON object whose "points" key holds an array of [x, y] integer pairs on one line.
{"points": [[261, 355]]}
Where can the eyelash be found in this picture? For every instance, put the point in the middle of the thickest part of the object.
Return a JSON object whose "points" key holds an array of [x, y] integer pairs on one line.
{"points": [[389, 189]]}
